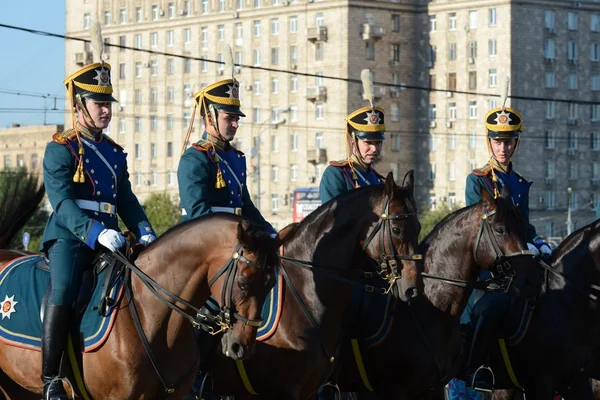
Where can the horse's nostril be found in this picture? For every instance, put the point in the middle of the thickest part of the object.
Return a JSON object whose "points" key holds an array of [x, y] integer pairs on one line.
{"points": [[236, 349], [411, 293]]}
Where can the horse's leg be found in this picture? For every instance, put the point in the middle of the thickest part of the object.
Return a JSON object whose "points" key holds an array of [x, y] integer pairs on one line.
{"points": [[9, 390], [504, 395], [580, 389]]}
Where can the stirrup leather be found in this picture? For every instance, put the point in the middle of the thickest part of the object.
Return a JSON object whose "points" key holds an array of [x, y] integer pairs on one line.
{"points": [[473, 382]]}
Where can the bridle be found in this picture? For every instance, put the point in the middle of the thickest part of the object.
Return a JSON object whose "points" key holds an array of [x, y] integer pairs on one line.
{"points": [[223, 321], [501, 269], [388, 263]]}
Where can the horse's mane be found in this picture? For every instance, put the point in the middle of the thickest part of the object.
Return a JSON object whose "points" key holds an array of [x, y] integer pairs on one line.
{"points": [[584, 234], [19, 198]]}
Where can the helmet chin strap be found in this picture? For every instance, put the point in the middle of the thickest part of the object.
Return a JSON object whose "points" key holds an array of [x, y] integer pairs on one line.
{"points": [[85, 112], [214, 114]]}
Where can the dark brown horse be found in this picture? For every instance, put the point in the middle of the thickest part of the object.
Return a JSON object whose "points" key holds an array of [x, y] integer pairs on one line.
{"points": [[562, 347], [339, 238], [422, 350], [184, 261]]}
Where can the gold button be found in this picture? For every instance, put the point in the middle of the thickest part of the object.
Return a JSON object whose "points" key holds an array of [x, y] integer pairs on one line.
{"points": [[93, 171], [232, 192], [112, 186], [96, 182], [115, 150], [231, 202], [87, 160], [114, 196], [229, 182], [98, 193], [115, 166]]}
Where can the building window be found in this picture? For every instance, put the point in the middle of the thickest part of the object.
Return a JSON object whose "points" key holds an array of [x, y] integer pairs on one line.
{"points": [[87, 19], [492, 17], [154, 177], [595, 141], [319, 111], [452, 51], [595, 23], [432, 23], [154, 39], [152, 150], [169, 122], [275, 141], [293, 23], [319, 51], [221, 32], [550, 139], [550, 109], [452, 141], [452, 21], [256, 28], [319, 140], [274, 26], [256, 57], [293, 172], [138, 151], [187, 36], [549, 20], [138, 41], [121, 71], [395, 22], [370, 50], [572, 170], [432, 112], [153, 123], [122, 16], [170, 38], [171, 10], [319, 19], [293, 54], [395, 142], [170, 94], [274, 56], [595, 82], [493, 78], [572, 51], [293, 114], [549, 49], [153, 96], [432, 172], [595, 52], [122, 43], [472, 109], [221, 5], [187, 65], [550, 79], [274, 173], [154, 67], [451, 172], [139, 15], [204, 7], [257, 3], [572, 21], [472, 80], [595, 112], [256, 115], [473, 19], [572, 140], [275, 85], [452, 111], [432, 142], [573, 111], [472, 49], [395, 112], [395, 51], [472, 141], [294, 142], [186, 119], [274, 202], [452, 81], [155, 12], [492, 47], [107, 18]]}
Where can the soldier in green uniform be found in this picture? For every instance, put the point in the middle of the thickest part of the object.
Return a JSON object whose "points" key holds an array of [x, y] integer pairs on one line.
{"points": [[483, 316], [212, 178], [365, 130], [86, 179]]}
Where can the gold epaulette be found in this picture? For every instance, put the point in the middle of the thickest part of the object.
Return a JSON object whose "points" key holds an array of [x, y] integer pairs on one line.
{"points": [[203, 145], [483, 171], [341, 163], [115, 144], [62, 137]]}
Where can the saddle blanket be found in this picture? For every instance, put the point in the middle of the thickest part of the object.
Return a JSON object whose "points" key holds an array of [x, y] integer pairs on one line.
{"points": [[22, 288], [271, 311]]}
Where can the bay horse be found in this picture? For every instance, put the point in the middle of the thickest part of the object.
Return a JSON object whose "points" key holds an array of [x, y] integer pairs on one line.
{"points": [[423, 349], [220, 254], [562, 348], [338, 239]]}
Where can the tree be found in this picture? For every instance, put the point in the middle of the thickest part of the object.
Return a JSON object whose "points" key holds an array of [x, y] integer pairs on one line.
{"points": [[432, 217], [162, 211]]}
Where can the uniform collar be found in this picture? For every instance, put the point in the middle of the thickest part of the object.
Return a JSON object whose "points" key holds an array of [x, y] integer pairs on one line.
{"points": [[86, 133], [359, 164], [501, 168], [218, 143]]}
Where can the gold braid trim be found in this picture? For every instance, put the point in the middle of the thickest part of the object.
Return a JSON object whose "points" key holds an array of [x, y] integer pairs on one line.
{"points": [[94, 88]]}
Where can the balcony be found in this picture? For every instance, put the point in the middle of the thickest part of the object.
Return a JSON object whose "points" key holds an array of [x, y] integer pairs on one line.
{"points": [[372, 32], [316, 156], [316, 34], [316, 93]]}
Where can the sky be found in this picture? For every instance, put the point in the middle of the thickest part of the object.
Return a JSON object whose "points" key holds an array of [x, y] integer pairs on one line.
{"points": [[31, 63]]}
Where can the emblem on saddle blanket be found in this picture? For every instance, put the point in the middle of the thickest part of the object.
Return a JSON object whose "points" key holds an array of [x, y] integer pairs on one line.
{"points": [[23, 279]]}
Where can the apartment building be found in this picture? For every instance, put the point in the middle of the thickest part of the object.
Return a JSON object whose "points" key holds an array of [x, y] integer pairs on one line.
{"points": [[439, 66], [24, 146]]}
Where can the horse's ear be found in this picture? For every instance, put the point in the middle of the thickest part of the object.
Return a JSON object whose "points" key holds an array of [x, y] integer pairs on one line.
{"points": [[390, 185], [288, 231], [243, 236], [488, 200], [409, 178], [505, 192]]}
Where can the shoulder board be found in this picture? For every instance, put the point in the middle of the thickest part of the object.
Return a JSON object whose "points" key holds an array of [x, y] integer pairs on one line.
{"points": [[112, 142], [202, 146], [483, 171], [62, 137], [342, 163], [520, 175]]}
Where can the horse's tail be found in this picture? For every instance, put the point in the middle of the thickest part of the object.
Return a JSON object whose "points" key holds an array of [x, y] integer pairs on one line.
{"points": [[20, 194]]}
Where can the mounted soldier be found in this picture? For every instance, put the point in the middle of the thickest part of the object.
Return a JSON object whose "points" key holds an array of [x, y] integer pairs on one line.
{"points": [[86, 179], [486, 311], [365, 130]]}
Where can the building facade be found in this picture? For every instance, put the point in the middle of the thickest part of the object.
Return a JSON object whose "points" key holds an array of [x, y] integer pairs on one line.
{"points": [[439, 66], [24, 146]]}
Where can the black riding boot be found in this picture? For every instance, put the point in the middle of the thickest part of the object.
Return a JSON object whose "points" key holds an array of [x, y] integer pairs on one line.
{"points": [[54, 339]]}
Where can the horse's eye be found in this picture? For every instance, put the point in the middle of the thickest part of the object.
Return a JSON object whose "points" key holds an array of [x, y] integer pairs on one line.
{"points": [[397, 231], [500, 230], [243, 285]]}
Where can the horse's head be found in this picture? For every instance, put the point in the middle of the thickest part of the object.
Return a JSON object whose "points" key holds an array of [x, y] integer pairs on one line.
{"points": [[243, 285], [500, 242], [394, 239]]}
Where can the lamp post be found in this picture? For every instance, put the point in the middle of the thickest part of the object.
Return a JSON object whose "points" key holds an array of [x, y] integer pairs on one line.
{"points": [[569, 223], [275, 125]]}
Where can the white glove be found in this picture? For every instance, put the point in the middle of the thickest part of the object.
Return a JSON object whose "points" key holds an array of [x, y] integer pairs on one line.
{"points": [[546, 251], [535, 250], [147, 239], [111, 239], [273, 235]]}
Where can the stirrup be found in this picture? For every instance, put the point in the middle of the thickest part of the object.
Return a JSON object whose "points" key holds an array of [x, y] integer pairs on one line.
{"points": [[476, 385], [57, 380]]}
